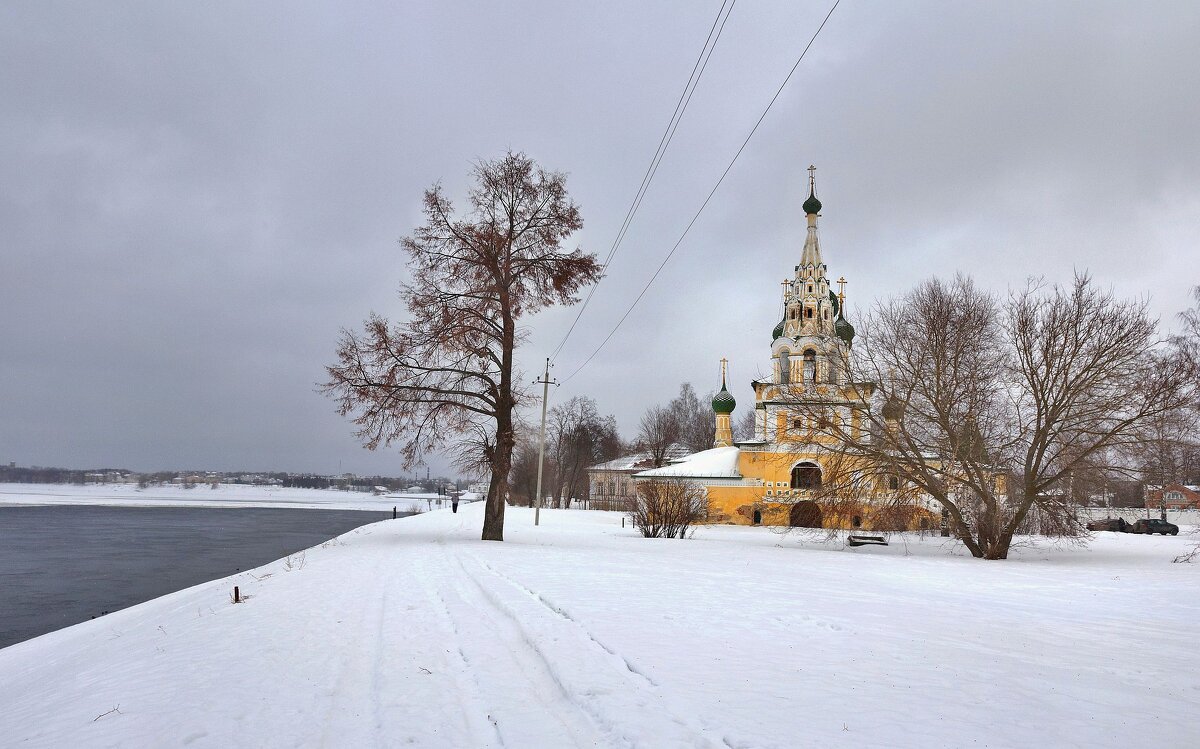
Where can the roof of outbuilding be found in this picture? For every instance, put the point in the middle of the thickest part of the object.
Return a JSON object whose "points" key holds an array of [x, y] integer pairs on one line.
{"points": [[719, 462]]}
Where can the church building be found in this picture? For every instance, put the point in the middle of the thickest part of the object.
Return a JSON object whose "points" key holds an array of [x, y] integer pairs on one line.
{"points": [[776, 476]]}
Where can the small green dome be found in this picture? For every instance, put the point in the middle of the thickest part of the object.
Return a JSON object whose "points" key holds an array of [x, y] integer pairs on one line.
{"points": [[893, 409], [723, 402], [778, 331], [812, 205], [843, 329]]}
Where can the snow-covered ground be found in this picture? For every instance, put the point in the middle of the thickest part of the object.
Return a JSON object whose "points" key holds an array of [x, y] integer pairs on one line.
{"points": [[225, 495], [581, 633]]}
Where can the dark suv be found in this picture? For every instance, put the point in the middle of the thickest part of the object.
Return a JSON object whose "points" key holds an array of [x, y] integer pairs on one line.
{"points": [[1156, 526]]}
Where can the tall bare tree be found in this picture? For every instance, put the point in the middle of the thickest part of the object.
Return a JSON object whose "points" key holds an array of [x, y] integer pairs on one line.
{"points": [[744, 425], [659, 429], [524, 468], [695, 417], [447, 373], [988, 406], [579, 437]]}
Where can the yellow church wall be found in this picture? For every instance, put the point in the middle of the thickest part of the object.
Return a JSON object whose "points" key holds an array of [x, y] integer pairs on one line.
{"points": [[737, 504]]}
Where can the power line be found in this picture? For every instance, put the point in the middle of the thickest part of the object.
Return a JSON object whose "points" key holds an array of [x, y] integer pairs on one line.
{"points": [[712, 192], [685, 97]]}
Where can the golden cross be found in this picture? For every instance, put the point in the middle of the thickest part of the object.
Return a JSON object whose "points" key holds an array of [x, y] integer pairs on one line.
{"points": [[724, 361], [841, 291], [812, 178]]}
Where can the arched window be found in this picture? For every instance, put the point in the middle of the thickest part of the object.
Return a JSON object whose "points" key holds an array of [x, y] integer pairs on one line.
{"points": [[806, 475], [808, 312], [785, 368], [810, 366]]}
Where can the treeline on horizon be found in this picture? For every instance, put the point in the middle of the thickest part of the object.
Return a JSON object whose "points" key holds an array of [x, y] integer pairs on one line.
{"points": [[14, 474]]}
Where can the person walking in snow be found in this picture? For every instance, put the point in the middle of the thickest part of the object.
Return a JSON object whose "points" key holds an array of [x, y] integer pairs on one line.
{"points": [[454, 504]]}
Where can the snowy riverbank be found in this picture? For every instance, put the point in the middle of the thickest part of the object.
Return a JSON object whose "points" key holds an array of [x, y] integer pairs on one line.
{"points": [[225, 495], [580, 633]]}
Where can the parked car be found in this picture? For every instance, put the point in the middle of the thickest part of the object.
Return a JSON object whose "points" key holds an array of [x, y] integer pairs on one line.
{"points": [[1110, 524], [1150, 527]]}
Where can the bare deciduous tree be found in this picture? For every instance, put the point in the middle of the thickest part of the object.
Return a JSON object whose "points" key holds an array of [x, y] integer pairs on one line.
{"points": [[447, 373], [659, 430], [989, 406], [579, 437], [695, 418], [524, 468]]}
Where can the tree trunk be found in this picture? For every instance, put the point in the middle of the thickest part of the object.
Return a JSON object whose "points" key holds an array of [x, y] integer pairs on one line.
{"points": [[493, 514]]}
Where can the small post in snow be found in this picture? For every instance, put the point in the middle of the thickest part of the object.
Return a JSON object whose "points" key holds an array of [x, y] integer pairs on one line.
{"points": [[393, 512], [237, 595]]}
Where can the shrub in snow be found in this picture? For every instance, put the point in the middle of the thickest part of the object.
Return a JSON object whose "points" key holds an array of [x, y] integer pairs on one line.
{"points": [[667, 508]]}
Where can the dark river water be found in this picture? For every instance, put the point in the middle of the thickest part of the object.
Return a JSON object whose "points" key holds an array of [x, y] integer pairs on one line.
{"points": [[63, 565]]}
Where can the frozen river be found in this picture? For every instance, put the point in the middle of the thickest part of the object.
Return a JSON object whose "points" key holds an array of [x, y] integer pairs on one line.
{"points": [[64, 565]]}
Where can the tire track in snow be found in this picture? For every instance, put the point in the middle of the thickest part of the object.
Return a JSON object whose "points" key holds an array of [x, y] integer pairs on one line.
{"points": [[567, 616], [620, 699], [353, 691], [468, 695], [524, 703]]}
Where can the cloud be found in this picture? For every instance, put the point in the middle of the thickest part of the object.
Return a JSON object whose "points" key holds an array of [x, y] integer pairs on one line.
{"points": [[197, 198]]}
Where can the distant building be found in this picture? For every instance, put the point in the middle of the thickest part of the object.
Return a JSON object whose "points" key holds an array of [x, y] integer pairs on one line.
{"points": [[1173, 497], [611, 483]]}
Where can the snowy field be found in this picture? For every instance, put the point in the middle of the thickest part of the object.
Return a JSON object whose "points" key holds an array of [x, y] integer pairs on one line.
{"points": [[225, 495], [580, 633]]}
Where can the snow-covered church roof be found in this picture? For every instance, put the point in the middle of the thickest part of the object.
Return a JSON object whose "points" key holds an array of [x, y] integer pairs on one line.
{"points": [[641, 460], [719, 462]]}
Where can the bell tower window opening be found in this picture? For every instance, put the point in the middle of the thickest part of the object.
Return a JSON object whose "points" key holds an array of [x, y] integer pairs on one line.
{"points": [[808, 312], [806, 476], [810, 366], [785, 368]]}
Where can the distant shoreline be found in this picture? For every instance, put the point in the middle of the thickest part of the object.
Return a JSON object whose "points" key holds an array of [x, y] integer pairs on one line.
{"points": [[224, 496]]}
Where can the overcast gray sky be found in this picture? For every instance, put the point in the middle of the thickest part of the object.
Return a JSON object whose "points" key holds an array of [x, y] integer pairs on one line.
{"points": [[195, 197]]}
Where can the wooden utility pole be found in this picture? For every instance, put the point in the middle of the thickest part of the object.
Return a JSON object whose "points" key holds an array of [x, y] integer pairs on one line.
{"points": [[546, 383]]}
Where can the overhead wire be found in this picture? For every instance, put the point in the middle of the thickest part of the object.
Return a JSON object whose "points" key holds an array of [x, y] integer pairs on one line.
{"points": [[685, 97], [712, 192]]}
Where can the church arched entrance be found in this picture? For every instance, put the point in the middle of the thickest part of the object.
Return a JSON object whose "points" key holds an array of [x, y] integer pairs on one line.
{"points": [[805, 514]]}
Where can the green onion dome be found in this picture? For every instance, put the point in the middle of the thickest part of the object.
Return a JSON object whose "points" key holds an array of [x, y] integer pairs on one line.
{"points": [[812, 205], [723, 402], [778, 331], [843, 329], [893, 409]]}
